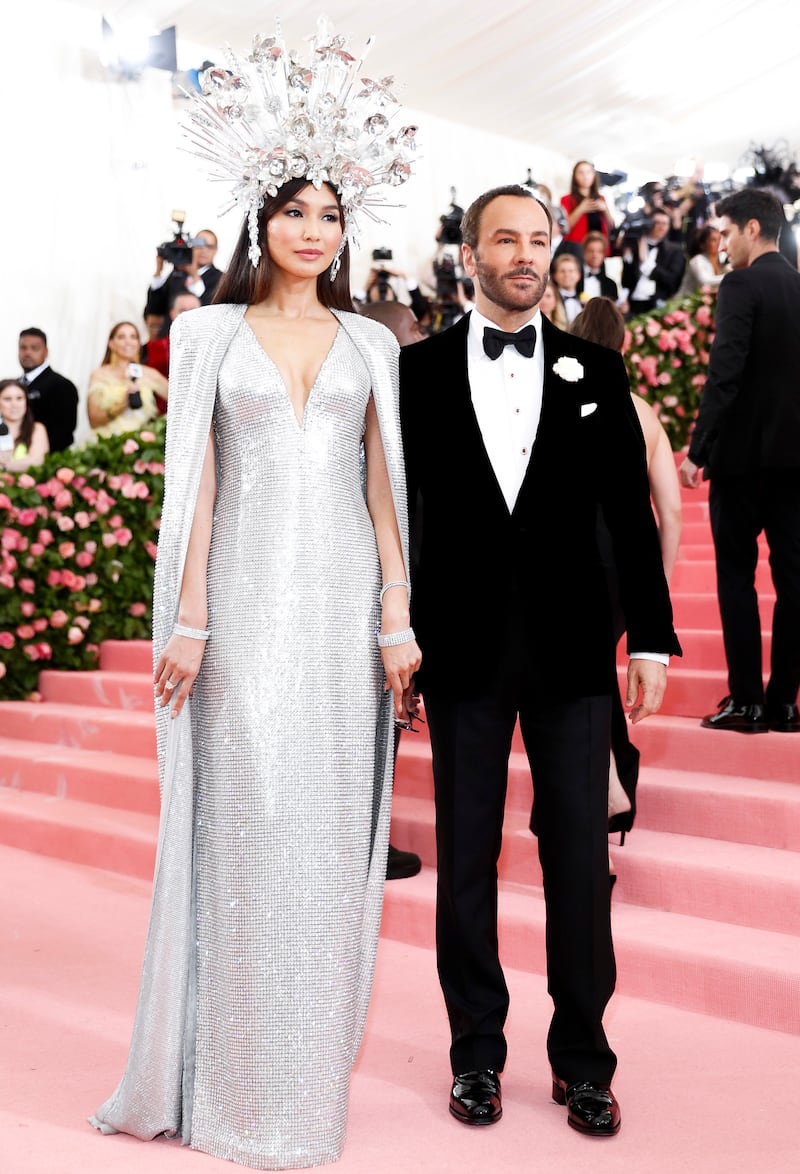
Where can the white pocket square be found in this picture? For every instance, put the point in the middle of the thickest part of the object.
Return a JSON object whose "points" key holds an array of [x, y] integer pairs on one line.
{"points": [[587, 409]]}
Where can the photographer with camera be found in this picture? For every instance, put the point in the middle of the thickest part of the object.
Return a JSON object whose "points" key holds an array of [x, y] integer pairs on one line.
{"points": [[652, 267], [193, 270], [122, 393]]}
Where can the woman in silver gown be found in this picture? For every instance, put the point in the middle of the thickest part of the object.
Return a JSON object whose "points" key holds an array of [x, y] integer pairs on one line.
{"points": [[284, 514]]}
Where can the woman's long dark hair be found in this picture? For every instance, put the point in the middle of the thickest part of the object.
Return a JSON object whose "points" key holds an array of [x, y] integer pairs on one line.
{"points": [[111, 333], [594, 190], [28, 420], [602, 322], [244, 284]]}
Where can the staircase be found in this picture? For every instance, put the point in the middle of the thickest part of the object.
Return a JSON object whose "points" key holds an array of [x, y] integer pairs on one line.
{"points": [[707, 904]]}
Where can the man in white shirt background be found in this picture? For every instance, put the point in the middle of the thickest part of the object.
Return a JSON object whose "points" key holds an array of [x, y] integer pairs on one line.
{"points": [[515, 434], [652, 267]]}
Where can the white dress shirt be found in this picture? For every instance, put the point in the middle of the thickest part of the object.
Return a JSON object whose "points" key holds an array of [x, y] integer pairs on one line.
{"points": [[645, 286], [507, 398]]}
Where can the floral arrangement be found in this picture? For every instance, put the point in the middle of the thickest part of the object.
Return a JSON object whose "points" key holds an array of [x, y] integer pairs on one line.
{"points": [[666, 353], [77, 549]]}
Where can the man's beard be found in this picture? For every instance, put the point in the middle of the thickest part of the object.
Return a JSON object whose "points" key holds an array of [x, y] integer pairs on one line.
{"points": [[506, 295]]}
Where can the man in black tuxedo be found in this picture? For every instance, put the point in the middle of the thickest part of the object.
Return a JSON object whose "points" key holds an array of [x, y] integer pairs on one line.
{"points": [[513, 441], [747, 438], [200, 277], [595, 282], [652, 267], [53, 398]]}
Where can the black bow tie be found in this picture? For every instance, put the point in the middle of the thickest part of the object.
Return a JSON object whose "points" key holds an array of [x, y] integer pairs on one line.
{"points": [[593, 272], [495, 341]]}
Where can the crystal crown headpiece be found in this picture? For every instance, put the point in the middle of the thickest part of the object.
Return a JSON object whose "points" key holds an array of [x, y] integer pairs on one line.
{"points": [[273, 117]]}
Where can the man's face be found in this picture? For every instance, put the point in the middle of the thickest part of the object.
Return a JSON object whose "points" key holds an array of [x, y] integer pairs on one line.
{"points": [[407, 330], [660, 228], [32, 352], [566, 273], [511, 262], [736, 243], [205, 253], [182, 303], [594, 254]]}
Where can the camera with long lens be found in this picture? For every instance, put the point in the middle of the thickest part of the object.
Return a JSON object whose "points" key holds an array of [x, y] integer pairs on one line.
{"points": [[635, 226], [178, 251]]}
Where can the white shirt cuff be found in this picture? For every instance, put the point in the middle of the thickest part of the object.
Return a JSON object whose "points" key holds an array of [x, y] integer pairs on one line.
{"points": [[658, 657]]}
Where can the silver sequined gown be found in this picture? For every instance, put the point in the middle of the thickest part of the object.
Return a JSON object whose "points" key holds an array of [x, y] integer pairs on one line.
{"points": [[290, 731]]}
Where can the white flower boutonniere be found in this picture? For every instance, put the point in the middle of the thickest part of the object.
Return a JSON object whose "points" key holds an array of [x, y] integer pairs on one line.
{"points": [[568, 369]]}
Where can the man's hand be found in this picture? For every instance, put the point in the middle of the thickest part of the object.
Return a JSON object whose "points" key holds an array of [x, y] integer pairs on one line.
{"points": [[651, 678], [689, 474]]}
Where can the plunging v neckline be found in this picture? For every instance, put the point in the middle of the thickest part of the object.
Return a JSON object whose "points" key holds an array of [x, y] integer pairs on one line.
{"points": [[301, 419]]}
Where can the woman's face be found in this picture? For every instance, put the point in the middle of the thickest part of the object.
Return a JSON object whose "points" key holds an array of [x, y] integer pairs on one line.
{"points": [[13, 404], [124, 343], [712, 243], [548, 301], [584, 176], [303, 235]]}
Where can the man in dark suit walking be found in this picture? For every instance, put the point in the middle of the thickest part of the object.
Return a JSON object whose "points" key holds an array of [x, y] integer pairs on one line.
{"points": [[515, 435], [53, 398], [747, 438]]}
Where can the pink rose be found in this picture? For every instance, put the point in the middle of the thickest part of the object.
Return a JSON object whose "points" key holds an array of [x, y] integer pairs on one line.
{"points": [[58, 619], [45, 537], [665, 341], [25, 481], [26, 631], [10, 538], [703, 316], [54, 578], [31, 651], [74, 636], [115, 521], [6, 580], [37, 548], [84, 559], [65, 524], [40, 625], [82, 623], [65, 475], [141, 489], [91, 580], [70, 580], [123, 535], [114, 481], [148, 436], [109, 540], [27, 585], [66, 549], [130, 446], [2, 670], [151, 548], [95, 604], [652, 328], [62, 499], [45, 651], [82, 519], [7, 640], [137, 609], [27, 607], [91, 546], [27, 517]]}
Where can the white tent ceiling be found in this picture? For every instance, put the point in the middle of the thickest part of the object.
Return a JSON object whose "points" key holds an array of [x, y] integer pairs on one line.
{"points": [[634, 84]]}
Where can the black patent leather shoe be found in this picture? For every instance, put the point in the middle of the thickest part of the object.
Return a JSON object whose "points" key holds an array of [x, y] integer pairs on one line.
{"points": [[783, 718], [475, 1097], [591, 1108], [400, 864], [745, 719]]}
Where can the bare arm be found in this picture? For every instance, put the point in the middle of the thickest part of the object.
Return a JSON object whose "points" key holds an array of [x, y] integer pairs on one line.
{"points": [[401, 662], [103, 404], [664, 485], [156, 381], [180, 661]]}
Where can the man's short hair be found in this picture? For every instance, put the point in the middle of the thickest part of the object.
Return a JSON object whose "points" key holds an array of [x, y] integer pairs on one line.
{"points": [[35, 332], [471, 224], [754, 204], [594, 236]]}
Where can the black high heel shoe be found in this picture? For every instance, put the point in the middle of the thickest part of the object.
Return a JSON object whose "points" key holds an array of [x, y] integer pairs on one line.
{"points": [[628, 771]]}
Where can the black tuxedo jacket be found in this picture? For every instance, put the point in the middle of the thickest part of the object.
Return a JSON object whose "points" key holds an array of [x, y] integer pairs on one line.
{"points": [[160, 300], [749, 416], [667, 274], [588, 455], [54, 400], [608, 287]]}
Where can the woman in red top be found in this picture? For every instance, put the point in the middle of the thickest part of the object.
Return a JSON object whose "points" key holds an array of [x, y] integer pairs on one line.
{"points": [[586, 209]]}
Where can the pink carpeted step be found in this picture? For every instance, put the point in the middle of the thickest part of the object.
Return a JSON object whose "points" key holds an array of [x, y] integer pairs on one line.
{"points": [[726, 807], [703, 549], [751, 975], [701, 575], [703, 648], [127, 656], [122, 781], [93, 728], [680, 743], [109, 688], [120, 841], [736, 883], [693, 609]]}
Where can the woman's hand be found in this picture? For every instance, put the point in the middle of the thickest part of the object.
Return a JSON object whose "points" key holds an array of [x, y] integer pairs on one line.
{"points": [[400, 662], [177, 669]]}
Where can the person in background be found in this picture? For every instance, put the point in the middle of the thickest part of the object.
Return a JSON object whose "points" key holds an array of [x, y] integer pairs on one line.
{"points": [[704, 267], [566, 272], [652, 267], [122, 392], [52, 398], [552, 305], [595, 282], [602, 322], [158, 348], [23, 440], [198, 276], [586, 210]]}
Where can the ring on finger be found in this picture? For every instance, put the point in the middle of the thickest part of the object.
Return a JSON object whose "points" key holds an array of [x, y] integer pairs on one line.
{"points": [[169, 684]]}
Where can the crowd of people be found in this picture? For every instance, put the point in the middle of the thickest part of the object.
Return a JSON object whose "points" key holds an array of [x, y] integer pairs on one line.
{"points": [[321, 470]]}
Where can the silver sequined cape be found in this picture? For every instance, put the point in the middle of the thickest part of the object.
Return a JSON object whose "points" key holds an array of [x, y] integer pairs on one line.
{"points": [[161, 1086]]}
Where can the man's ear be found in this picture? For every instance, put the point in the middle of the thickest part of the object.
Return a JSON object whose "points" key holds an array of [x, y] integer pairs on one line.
{"points": [[468, 260]]}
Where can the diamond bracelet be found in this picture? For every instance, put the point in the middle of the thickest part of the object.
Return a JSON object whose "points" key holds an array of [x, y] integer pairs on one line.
{"points": [[391, 639], [192, 633]]}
